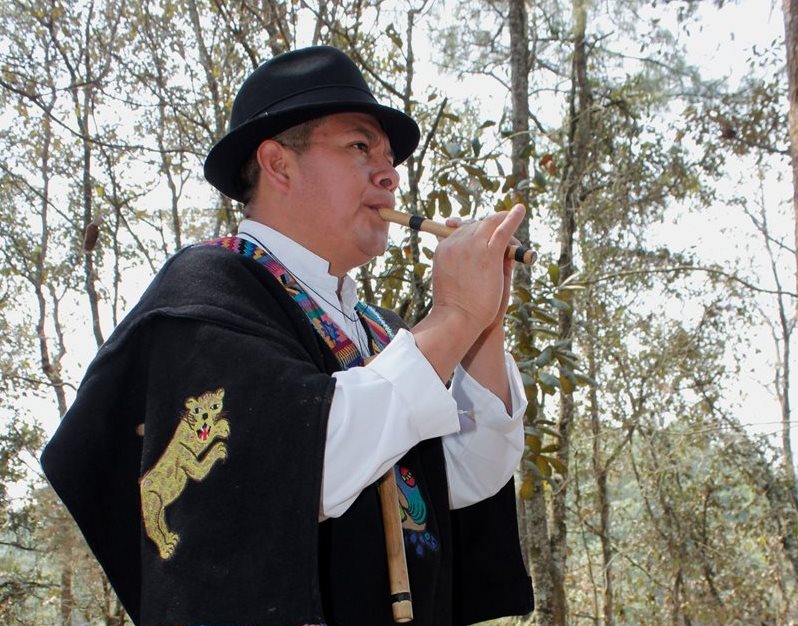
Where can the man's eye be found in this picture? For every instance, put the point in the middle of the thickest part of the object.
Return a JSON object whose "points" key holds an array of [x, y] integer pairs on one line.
{"points": [[363, 147]]}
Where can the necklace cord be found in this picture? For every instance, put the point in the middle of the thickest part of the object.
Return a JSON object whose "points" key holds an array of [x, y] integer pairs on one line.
{"points": [[354, 318]]}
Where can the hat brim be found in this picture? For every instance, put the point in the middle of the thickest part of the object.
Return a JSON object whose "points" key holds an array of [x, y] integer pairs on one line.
{"points": [[226, 159]]}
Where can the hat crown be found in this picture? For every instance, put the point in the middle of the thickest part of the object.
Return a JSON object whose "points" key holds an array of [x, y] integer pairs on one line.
{"points": [[292, 88], [287, 77]]}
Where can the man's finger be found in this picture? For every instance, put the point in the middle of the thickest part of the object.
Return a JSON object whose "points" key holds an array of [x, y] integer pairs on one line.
{"points": [[505, 230]]}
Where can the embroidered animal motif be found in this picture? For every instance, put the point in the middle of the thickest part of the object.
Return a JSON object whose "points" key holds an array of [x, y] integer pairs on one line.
{"points": [[414, 513], [192, 452]]}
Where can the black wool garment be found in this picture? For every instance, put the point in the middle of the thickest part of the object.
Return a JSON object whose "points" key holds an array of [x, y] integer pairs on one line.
{"points": [[192, 460]]}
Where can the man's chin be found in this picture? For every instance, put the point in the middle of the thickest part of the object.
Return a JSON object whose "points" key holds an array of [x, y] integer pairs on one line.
{"points": [[374, 250]]}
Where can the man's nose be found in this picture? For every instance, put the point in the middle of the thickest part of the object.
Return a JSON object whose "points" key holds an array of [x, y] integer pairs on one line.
{"points": [[386, 177]]}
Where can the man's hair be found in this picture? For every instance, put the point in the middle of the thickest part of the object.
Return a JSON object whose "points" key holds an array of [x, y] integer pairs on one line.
{"points": [[296, 138]]}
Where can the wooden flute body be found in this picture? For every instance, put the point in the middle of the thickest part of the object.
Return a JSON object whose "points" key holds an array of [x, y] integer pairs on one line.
{"points": [[416, 222]]}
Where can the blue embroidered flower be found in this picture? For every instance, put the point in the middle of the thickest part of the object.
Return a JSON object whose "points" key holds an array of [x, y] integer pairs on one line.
{"points": [[330, 330], [421, 541]]}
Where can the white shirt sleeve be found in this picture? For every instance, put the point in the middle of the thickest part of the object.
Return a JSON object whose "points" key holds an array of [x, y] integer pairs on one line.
{"points": [[380, 411], [483, 455]]}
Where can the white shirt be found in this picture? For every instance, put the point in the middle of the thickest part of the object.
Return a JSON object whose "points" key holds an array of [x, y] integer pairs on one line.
{"points": [[383, 409]]}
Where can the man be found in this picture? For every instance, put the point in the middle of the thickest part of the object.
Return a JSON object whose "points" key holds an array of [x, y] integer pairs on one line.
{"points": [[222, 452]]}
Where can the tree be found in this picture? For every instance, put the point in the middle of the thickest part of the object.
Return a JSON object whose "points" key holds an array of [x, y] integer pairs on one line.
{"points": [[790, 10]]}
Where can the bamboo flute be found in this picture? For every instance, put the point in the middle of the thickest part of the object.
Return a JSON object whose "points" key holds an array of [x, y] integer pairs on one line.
{"points": [[416, 222], [398, 577], [401, 602]]}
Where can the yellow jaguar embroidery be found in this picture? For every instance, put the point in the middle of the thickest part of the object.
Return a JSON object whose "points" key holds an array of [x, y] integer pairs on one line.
{"points": [[197, 432]]}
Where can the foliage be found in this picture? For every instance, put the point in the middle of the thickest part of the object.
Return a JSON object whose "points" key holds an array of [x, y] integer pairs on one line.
{"points": [[672, 509]]}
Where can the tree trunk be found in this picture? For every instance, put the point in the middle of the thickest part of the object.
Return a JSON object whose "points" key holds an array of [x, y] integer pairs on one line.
{"points": [[533, 521], [67, 601], [519, 80], [578, 135], [790, 8], [89, 218], [418, 299], [600, 470], [537, 540]]}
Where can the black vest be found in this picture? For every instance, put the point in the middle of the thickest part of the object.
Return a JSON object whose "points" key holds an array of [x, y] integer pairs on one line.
{"points": [[249, 548]]}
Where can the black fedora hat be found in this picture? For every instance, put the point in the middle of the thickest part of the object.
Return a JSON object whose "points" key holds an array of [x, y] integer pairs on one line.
{"points": [[292, 88]]}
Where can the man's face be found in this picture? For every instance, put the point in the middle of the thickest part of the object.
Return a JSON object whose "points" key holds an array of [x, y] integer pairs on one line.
{"points": [[341, 179]]}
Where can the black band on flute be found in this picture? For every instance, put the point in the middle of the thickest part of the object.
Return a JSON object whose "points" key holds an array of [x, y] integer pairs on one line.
{"points": [[520, 251], [416, 221], [400, 597]]}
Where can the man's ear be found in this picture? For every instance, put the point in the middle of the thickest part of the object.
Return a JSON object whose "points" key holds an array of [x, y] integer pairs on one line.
{"points": [[274, 161]]}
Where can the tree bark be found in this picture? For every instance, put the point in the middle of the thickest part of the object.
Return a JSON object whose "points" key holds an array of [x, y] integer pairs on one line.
{"points": [[790, 9], [578, 135], [600, 470], [533, 520], [539, 547], [418, 299], [519, 81]]}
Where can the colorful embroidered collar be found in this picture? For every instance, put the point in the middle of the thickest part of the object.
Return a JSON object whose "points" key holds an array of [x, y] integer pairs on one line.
{"points": [[344, 349]]}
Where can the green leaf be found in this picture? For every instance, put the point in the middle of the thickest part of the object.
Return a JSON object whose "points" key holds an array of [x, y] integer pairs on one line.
{"points": [[563, 358], [476, 146], [560, 305], [549, 431], [474, 171], [444, 204], [544, 358], [393, 36], [509, 183], [522, 294], [567, 381], [544, 466], [543, 316], [565, 295], [535, 470], [555, 463], [548, 389], [527, 488], [488, 183], [548, 379], [533, 443], [585, 379], [527, 380], [543, 330], [459, 187], [554, 273]]}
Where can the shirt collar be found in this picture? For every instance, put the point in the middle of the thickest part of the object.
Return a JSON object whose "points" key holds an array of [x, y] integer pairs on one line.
{"points": [[309, 268]]}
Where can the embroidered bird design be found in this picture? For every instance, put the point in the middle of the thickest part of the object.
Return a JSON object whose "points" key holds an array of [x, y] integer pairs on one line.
{"points": [[414, 513]]}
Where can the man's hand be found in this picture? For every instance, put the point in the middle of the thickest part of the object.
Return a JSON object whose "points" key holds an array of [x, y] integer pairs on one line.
{"points": [[471, 286]]}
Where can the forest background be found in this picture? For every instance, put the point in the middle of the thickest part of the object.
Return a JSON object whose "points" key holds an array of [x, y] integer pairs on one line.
{"points": [[651, 142]]}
